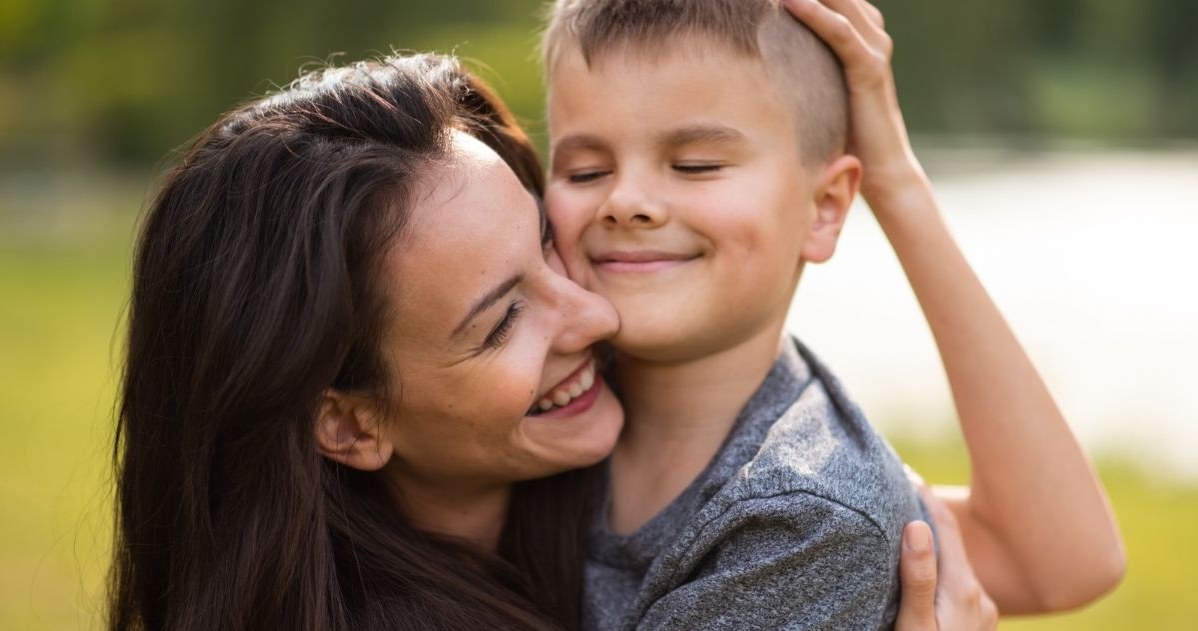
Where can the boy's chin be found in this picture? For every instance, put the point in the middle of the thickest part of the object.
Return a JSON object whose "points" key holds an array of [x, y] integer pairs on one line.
{"points": [[658, 343]]}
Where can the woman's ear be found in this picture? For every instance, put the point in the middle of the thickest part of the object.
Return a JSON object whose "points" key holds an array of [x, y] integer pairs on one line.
{"points": [[349, 430], [835, 188]]}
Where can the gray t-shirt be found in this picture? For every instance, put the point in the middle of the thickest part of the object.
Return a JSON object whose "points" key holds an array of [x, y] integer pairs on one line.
{"points": [[796, 523]]}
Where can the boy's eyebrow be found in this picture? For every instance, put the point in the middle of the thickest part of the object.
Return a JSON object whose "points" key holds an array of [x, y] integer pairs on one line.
{"points": [[579, 142], [691, 134], [677, 137]]}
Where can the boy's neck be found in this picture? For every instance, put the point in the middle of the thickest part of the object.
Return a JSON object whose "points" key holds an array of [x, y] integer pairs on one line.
{"points": [[677, 417]]}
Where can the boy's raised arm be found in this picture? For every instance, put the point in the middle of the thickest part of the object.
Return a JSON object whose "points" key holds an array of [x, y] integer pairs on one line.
{"points": [[1036, 521]]}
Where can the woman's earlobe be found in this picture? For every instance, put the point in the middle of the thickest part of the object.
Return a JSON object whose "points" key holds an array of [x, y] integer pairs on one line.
{"points": [[349, 431]]}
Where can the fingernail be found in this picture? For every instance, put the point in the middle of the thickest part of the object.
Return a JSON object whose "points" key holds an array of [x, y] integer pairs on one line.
{"points": [[918, 539]]}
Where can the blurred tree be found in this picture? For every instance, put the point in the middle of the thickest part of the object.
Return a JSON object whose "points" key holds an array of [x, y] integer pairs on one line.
{"points": [[122, 81]]}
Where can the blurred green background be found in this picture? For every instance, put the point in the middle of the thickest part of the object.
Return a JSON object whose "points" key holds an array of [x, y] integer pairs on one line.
{"points": [[95, 94]]}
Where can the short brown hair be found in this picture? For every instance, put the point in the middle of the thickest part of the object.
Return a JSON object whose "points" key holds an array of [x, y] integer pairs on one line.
{"points": [[807, 71]]}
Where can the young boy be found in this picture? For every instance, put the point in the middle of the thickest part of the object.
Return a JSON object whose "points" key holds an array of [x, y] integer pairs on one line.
{"points": [[697, 164]]}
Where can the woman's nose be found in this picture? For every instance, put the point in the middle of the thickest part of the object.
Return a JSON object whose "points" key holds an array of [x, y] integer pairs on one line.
{"points": [[585, 317]]}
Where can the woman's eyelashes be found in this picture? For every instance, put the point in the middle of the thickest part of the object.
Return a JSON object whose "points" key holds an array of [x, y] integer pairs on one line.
{"points": [[503, 328]]}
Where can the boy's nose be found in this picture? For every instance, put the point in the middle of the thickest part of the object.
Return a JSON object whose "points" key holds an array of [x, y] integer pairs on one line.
{"points": [[631, 205]]}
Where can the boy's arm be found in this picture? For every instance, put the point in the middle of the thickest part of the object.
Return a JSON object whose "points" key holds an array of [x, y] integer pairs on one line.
{"points": [[1036, 521]]}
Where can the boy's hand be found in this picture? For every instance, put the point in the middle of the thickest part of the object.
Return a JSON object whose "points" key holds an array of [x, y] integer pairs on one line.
{"points": [[940, 594], [854, 30]]}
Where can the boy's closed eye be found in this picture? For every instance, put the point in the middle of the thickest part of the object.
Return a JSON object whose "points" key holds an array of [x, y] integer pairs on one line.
{"points": [[698, 168], [584, 176]]}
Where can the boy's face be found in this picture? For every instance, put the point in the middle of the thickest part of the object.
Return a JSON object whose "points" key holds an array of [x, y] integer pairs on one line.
{"points": [[677, 191]]}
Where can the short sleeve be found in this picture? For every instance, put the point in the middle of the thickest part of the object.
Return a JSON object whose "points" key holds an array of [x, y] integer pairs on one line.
{"points": [[786, 562]]}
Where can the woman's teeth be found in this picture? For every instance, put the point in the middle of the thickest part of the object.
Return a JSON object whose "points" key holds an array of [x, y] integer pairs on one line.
{"points": [[567, 392]]}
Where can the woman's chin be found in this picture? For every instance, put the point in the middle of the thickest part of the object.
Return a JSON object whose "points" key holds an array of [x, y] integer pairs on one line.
{"points": [[578, 440]]}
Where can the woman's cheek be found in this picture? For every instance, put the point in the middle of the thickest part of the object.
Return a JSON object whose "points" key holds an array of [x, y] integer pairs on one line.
{"points": [[523, 373]]}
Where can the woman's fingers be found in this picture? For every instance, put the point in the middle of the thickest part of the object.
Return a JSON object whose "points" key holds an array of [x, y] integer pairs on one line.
{"points": [[954, 565], [917, 574], [963, 604]]}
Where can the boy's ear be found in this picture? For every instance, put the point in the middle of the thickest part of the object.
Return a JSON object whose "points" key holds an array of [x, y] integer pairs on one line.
{"points": [[835, 188], [349, 430]]}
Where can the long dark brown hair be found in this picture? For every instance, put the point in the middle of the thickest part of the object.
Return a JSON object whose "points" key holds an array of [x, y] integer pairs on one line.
{"points": [[254, 290]]}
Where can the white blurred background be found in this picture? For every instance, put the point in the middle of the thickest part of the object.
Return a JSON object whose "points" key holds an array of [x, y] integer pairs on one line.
{"points": [[1091, 257]]}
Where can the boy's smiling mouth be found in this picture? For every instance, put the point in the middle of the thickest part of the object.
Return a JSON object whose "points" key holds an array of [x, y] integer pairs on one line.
{"points": [[639, 261]]}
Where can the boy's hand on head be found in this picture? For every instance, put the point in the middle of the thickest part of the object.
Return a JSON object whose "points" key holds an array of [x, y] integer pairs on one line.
{"points": [[854, 30]]}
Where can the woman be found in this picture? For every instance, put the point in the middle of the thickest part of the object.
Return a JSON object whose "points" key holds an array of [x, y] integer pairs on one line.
{"points": [[358, 392], [287, 280]]}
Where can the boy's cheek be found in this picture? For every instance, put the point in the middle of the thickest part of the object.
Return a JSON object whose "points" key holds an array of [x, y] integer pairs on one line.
{"points": [[565, 257], [570, 219], [554, 259], [578, 269], [569, 210]]}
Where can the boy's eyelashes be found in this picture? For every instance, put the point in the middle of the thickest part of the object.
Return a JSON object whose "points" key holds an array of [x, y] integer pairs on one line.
{"points": [[583, 177], [697, 169]]}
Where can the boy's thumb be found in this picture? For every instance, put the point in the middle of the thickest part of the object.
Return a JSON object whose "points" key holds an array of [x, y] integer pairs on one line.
{"points": [[917, 573]]}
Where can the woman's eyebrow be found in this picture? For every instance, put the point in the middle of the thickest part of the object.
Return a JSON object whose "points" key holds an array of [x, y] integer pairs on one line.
{"points": [[484, 303]]}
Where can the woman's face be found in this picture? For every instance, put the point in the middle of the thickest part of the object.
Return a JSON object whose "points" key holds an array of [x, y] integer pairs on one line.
{"points": [[488, 344]]}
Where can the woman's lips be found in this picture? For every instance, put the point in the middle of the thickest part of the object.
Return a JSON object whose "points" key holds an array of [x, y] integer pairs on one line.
{"points": [[563, 396], [579, 404]]}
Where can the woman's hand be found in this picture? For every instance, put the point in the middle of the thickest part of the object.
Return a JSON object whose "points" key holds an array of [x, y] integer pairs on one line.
{"points": [[854, 30], [944, 596]]}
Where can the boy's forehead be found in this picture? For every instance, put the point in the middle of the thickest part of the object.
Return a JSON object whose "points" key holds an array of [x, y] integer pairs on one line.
{"points": [[706, 85], [630, 51]]}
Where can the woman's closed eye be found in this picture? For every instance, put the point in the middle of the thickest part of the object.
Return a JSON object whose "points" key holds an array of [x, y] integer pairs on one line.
{"points": [[503, 328]]}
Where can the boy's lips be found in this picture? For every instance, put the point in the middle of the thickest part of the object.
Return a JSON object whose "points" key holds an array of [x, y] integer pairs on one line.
{"points": [[639, 260]]}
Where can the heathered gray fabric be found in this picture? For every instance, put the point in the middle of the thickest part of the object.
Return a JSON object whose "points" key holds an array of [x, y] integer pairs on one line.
{"points": [[795, 524]]}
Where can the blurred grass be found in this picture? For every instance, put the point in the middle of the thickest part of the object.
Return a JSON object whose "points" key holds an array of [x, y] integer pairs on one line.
{"points": [[63, 284], [1158, 518]]}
